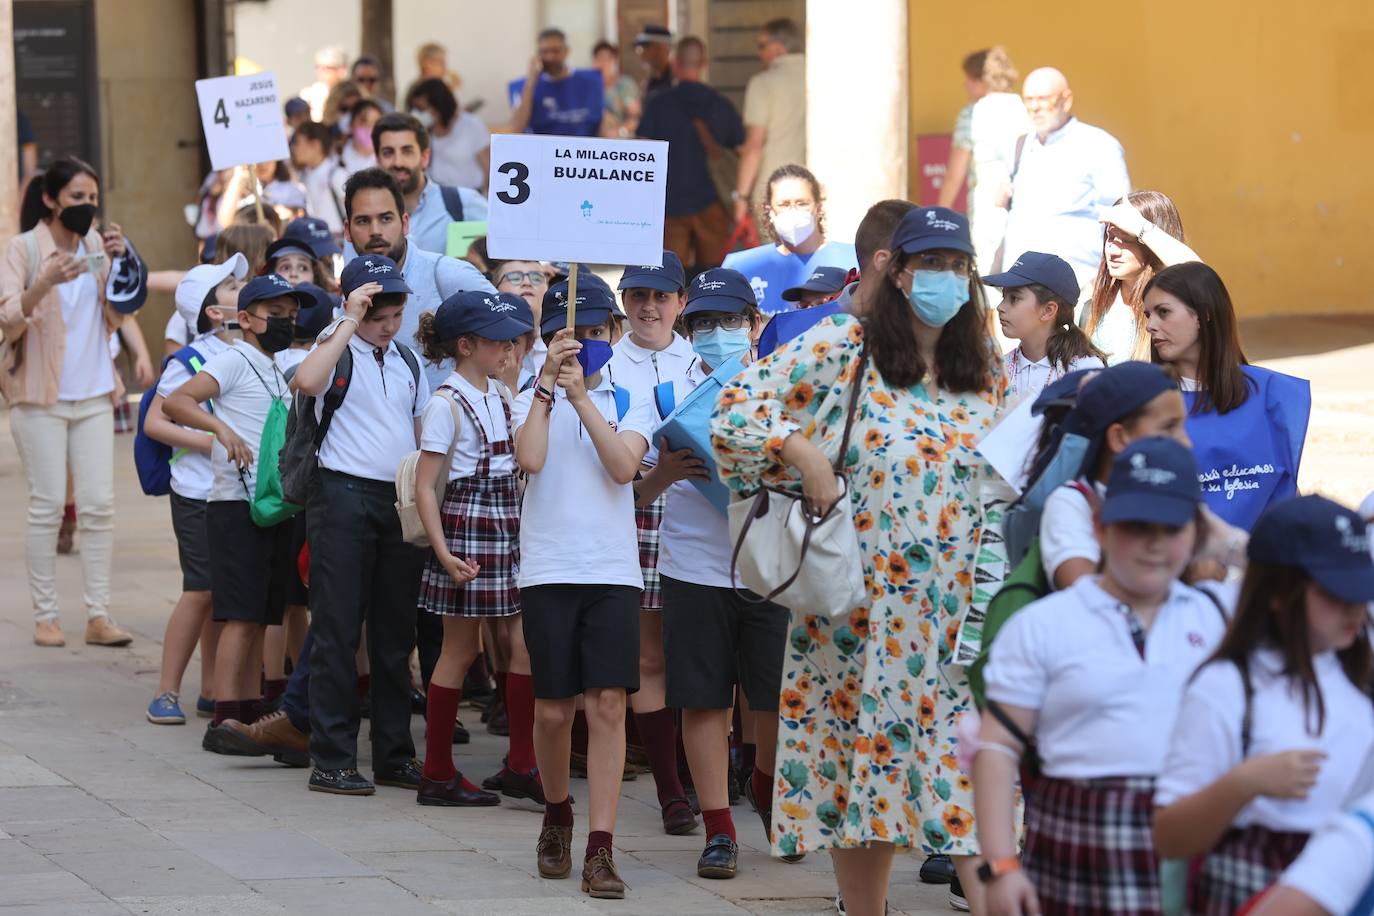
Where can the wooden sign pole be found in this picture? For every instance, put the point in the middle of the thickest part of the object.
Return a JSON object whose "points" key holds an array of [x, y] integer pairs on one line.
{"points": [[572, 295], [257, 196]]}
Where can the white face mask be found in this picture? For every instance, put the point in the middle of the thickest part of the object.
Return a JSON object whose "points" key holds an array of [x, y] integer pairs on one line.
{"points": [[425, 117], [794, 226]]}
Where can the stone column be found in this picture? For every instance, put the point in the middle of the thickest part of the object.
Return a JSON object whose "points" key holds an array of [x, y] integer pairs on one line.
{"points": [[856, 106]]}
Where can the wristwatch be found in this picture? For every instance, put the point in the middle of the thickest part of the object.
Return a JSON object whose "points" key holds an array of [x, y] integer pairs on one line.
{"points": [[1140, 236], [992, 869]]}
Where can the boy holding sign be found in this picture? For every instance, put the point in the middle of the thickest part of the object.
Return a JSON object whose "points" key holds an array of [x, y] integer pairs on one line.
{"points": [[581, 439]]}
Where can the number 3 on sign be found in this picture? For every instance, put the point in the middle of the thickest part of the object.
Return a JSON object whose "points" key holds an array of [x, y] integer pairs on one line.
{"points": [[221, 116], [519, 191]]}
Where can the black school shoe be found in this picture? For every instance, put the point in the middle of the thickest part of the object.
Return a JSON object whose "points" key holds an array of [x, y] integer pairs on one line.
{"points": [[218, 741], [340, 782], [766, 815], [407, 777], [460, 734], [937, 869], [720, 858]]}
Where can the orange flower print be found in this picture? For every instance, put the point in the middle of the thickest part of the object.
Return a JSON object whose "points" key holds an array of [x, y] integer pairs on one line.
{"points": [[959, 414], [858, 621], [851, 683], [949, 762], [793, 704], [883, 399], [898, 572], [732, 396], [877, 479], [882, 750], [878, 828], [894, 648], [881, 805], [897, 624], [842, 705], [964, 783], [803, 683], [925, 713], [799, 397], [863, 521], [930, 449], [856, 334], [957, 821], [820, 350], [874, 439], [862, 745], [913, 467]]}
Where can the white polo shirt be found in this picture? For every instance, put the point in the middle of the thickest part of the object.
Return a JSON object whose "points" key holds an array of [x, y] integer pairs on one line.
{"points": [[1337, 864], [436, 430], [641, 369], [577, 525], [1206, 741], [1027, 379], [374, 428], [249, 381], [694, 540], [1066, 528], [1103, 710], [192, 476]]}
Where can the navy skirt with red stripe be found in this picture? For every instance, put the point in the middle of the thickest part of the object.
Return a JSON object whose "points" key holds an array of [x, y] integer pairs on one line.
{"points": [[1089, 846], [481, 517], [1243, 863]]}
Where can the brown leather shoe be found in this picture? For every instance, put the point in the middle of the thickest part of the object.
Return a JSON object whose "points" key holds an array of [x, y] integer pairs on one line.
{"points": [[554, 852], [48, 633], [678, 819], [272, 735], [600, 879], [102, 631]]}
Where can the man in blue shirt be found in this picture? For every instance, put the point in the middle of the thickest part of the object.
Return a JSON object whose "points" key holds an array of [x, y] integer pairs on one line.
{"points": [[376, 225], [555, 99], [691, 115], [401, 144]]}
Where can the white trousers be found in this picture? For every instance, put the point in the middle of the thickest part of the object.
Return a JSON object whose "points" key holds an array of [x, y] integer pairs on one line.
{"points": [[79, 435]]}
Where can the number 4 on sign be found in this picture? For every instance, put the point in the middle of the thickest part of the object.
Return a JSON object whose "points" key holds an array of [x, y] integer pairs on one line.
{"points": [[221, 116]]}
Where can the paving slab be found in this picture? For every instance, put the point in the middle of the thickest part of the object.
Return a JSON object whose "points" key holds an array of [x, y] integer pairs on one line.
{"points": [[333, 896], [147, 873], [18, 772], [226, 905], [268, 854]]}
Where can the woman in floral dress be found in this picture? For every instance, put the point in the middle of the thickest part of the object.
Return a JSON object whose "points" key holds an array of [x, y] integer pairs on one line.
{"points": [[871, 696]]}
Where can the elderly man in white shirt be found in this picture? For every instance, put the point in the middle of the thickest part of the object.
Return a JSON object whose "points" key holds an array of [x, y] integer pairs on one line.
{"points": [[1064, 173]]}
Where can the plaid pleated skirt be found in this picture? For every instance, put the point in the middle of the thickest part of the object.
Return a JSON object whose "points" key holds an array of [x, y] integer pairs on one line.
{"points": [[647, 521], [1243, 863], [1089, 847], [481, 517]]}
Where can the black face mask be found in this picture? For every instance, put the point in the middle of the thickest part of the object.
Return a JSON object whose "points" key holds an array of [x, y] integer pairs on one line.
{"points": [[279, 334], [78, 219]]}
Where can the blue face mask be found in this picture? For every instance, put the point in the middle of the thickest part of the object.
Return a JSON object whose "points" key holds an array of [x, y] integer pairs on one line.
{"points": [[593, 355], [718, 346], [937, 295]]}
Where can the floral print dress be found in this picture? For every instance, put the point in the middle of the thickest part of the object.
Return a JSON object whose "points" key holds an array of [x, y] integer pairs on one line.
{"points": [[871, 698]]}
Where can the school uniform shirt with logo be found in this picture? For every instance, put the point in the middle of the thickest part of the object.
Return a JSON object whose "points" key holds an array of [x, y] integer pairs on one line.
{"points": [[374, 428], [772, 272], [1206, 741], [640, 369], [1103, 710], [1027, 379], [249, 381], [192, 476], [694, 539], [577, 525], [436, 430], [1336, 867], [1066, 529]]}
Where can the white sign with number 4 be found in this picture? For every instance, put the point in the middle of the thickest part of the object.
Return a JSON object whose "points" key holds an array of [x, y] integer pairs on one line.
{"points": [[576, 199], [242, 119]]}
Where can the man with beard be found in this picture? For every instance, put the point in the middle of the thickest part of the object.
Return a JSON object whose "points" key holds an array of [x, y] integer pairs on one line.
{"points": [[377, 224], [401, 144], [553, 98]]}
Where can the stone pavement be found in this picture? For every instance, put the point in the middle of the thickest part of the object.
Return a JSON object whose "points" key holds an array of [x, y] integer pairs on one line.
{"points": [[102, 812]]}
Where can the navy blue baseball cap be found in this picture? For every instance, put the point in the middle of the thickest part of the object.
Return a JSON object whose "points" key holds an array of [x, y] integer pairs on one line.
{"points": [[289, 245], [670, 278], [1062, 392], [372, 268], [1048, 270], [929, 228], [719, 289], [488, 315], [207, 249], [1153, 480], [1115, 392], [1322, 537], [315, 317], [522, 310], [822, 280], [595, 303], [272, 286], [316, 232]]}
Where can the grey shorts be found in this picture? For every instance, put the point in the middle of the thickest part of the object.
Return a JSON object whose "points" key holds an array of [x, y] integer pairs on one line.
{"points": [[193, 542], [713, 639]]}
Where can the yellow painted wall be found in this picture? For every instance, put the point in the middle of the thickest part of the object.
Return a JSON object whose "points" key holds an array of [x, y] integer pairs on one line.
{"points": [[1256, 117]]}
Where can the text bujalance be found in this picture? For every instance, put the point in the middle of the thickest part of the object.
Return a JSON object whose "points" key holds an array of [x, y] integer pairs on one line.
{"points": [[604, 174]]}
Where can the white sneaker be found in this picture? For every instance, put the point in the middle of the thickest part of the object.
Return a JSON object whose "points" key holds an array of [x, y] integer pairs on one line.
{"points": [[957, 901]]}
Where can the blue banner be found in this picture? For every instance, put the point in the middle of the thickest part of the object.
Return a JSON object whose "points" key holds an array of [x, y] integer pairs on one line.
{"points": [[1249, 457]]}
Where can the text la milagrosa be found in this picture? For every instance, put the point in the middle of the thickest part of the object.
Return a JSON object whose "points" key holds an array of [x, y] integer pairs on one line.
{"points": [[601, 173]]}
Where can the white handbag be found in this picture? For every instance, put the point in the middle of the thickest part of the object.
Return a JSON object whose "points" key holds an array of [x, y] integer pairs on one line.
{"points": [[412, 529], [786, 555]]}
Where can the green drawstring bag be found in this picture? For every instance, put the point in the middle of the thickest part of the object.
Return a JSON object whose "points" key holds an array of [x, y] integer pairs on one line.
{"points": [[269, 505]]}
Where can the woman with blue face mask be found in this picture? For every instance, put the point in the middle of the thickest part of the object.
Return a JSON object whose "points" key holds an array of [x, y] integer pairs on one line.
{"points": [[871, 695]]}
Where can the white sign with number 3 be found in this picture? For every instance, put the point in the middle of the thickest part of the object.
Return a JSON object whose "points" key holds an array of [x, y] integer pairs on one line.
{"points": [[242, 119], [576, 199]]}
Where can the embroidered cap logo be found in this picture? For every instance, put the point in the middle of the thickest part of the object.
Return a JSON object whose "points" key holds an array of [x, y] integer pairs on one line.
{"points": [[934, 221], [1141, 472], [1351, 540]]}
